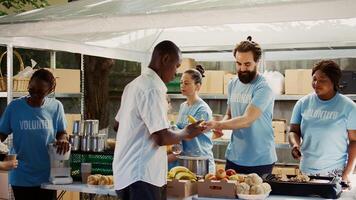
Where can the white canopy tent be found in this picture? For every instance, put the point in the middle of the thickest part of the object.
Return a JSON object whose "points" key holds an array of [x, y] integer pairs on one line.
{"points": [[129, 29]]}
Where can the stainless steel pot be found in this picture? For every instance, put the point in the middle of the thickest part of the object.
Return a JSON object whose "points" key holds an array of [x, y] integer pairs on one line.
{"points": [[91, 127], [198, 165], [75, 142], [101, 142], [77, 127], [93, 143], [97, 143], [85, 143]]}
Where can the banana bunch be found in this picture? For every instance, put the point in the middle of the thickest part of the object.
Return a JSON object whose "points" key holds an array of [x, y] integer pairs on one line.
{"points": [[191, 119], [181, 173]]}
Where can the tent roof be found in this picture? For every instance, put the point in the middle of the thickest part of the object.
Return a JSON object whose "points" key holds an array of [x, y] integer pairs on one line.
{"points": [[128, 29]]}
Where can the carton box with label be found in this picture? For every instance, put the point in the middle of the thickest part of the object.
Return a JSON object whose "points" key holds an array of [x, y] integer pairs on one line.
{"points": [[217, 189]]}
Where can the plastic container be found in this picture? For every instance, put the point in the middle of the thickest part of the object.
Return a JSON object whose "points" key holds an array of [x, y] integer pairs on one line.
{"points": [[52, 150]]}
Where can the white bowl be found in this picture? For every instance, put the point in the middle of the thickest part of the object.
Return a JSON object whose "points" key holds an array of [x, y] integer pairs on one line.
{"points": [[253, 196], [52, 150]]}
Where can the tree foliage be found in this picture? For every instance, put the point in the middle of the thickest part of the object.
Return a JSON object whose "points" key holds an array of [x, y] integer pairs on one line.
{"points": [[20, 5]]}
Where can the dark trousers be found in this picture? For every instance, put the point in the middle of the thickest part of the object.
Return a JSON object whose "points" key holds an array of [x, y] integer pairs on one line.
{"points": [[141, 190], [29, 193], [260, 170]]}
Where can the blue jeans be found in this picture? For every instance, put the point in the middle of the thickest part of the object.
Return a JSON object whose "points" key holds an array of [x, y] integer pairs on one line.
{"points": [[260, 170]]}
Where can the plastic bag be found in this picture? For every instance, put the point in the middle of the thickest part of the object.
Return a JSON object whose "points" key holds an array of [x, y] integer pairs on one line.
{"points": [[275, 80]]}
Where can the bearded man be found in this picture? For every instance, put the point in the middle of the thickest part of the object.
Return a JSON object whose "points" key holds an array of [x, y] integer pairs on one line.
{"points": [[249, 115]]}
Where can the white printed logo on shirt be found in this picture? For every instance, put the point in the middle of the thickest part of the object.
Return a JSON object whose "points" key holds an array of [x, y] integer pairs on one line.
{"points": [[241, 98], [321, 114], [35, 124]]}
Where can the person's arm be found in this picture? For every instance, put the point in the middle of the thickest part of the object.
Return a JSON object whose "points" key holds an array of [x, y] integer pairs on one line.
{"points": [[251, 114], [351, 162], [227, 114], [8, 165], [167, 136], [171, 157], [116, 126], [294, 137]]}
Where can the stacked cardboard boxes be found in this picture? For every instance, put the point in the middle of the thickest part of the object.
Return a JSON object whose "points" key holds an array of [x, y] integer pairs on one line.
{"points": [[213, 82], [67, 80], [227, 79], [187, 63], [279, 129], [298, 81]]}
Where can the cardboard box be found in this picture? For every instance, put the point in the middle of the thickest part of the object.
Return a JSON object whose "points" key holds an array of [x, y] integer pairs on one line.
{"points": [[70, 118], [227, 78], [217, 189], [4, 189], [298, 81], [187, 63], [181, 188], [285, 170], [68, 80], [213, 82], [279, 125], [280, 137]]}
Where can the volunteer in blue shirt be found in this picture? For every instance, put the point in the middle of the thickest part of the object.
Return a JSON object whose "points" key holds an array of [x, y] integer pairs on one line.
{"points": [[323, 126], [249, 115], [202, 145], [35, 121]]}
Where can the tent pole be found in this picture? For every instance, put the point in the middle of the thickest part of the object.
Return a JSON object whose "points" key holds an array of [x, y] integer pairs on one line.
{"points": [[10, 69]]}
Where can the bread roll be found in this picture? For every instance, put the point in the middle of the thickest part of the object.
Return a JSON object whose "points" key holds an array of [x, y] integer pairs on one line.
{"points": [[242, 188], [257, 189], [253, 179]]}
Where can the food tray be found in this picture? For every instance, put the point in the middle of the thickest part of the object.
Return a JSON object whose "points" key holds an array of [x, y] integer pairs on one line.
{"points": [[325, 187]]}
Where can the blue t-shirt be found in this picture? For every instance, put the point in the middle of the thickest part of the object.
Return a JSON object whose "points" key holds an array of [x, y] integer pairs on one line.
{"points": [[33, 128], [252, 146], [201, 145], [324, 126]]}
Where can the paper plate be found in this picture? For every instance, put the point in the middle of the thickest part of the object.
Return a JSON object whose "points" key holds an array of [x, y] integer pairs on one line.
{"points": [[253, 196]]}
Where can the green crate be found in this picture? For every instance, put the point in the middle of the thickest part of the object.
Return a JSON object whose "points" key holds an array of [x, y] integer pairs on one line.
{"points": [[174, 85], [101, 163]]}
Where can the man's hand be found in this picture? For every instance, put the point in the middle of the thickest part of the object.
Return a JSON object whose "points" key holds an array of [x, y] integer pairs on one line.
{"points": [[212, 124], [62, 146], [296, 152], [194, 129], [217, 133]]}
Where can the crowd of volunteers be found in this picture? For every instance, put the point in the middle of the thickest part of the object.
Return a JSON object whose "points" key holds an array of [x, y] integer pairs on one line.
{"points": [[322, 127]]}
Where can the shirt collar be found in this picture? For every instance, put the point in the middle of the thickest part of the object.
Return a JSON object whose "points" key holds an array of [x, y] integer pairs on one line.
{"points": [[149, 72]]}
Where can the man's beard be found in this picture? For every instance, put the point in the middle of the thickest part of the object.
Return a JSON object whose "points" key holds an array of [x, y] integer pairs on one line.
{"points": [[246, 76]]}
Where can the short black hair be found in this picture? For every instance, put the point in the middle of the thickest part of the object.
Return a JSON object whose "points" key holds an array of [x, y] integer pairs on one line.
{"points": [[45, 75], [166, 47], [249, 45], [197, 74], [331, 69]]}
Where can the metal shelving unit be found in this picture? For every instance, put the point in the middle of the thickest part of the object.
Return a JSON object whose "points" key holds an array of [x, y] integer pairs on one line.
{"points": [[278, 98], [57, 95]]}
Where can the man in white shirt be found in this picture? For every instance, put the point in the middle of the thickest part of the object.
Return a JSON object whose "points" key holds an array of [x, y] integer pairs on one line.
{"points": [[140, 159]]}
